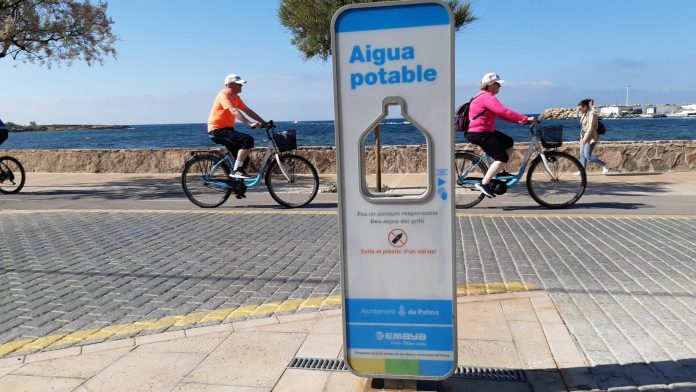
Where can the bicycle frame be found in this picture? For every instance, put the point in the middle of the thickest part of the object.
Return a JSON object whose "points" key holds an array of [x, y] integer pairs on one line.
{"points": [[534, 145], [271, 152]]}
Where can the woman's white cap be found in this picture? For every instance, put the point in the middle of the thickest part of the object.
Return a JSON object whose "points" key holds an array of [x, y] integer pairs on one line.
{"points": [[232, 78], [491, 77]]}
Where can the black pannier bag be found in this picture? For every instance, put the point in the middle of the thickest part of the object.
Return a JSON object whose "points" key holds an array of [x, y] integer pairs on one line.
{"points": [[286, 140]]}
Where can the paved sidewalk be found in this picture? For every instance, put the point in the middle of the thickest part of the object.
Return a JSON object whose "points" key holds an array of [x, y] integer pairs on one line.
{"points": [[521, 331], [624, 285]]}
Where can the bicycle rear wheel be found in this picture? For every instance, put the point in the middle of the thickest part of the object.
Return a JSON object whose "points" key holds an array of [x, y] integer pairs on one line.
{"points": [[299, 187], [12, 176], [467, 173], [562, 186], [202, 181]]}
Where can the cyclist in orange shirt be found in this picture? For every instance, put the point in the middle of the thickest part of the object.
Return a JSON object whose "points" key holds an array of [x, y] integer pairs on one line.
{"points": [[226, 110]]}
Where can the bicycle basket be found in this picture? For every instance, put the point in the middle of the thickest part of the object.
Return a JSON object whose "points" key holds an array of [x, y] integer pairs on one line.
{"points": [[286, 140], [551, 136]]}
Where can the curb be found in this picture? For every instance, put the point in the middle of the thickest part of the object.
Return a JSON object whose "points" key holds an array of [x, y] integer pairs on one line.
{"points": [[59, 345]]}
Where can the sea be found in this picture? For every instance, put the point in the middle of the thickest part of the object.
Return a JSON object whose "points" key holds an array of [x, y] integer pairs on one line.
{"points": [[321, 133]]}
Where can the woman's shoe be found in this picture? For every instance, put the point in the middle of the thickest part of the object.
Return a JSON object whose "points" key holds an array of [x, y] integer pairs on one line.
{"points": [[485, 189], [605, 170]]}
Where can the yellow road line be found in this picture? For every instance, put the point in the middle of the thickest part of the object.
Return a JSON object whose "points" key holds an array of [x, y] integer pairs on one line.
{"points": [[230, 314], [494, 288]]}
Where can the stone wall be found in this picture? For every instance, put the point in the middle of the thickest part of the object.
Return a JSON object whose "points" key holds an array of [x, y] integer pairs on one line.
{"points": [[660, 156]]}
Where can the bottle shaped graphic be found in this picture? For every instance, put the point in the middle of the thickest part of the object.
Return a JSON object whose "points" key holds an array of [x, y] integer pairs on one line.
{"points": [[385, 197]]}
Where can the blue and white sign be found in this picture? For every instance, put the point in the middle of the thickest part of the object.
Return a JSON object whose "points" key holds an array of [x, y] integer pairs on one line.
{"points": [[397, 252]]}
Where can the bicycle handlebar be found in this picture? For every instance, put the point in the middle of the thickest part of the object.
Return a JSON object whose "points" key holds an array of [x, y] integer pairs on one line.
{"points": [[268, 127], [533, 126]]}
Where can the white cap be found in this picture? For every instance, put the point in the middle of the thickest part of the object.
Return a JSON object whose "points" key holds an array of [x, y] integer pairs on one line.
{"points": [[491, 77], [232, 78]]}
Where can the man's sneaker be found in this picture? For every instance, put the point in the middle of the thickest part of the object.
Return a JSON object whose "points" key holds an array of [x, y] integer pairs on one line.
{"points": [[485, 189], [577, 173], [605, 170], [239, 173]]}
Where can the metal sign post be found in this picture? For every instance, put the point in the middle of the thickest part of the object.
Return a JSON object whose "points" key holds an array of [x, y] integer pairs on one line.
{"points": [[397, 251]]}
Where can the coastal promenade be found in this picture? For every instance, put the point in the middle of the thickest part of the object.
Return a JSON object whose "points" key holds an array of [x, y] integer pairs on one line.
{"points": [[598, 296]]}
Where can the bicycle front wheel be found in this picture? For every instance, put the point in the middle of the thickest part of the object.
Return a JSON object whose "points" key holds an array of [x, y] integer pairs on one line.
{"points": [[559, 186], [468, 170], [296, 184], [12, 176], [204, 183]]}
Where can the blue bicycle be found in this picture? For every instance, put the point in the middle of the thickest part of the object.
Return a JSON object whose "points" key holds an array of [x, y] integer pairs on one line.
{"points": [[555, 179], [291, 179]]}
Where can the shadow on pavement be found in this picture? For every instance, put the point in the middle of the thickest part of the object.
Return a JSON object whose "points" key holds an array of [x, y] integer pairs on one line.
{"points": [[153, 189], [627, 189], [579, 206], [136, 189], [312, 206], [677, 375], [632, 174]]}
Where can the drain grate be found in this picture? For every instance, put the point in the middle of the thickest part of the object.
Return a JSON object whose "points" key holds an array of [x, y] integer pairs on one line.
{"points": [[474, 373], [332, 365], [494, 374]]}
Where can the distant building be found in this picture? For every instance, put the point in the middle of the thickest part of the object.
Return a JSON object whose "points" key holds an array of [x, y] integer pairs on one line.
{"points": [[612, 111], [621, 111]]}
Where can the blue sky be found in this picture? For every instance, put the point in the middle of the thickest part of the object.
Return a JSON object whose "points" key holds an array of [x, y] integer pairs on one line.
{"points": [[174, 54]]}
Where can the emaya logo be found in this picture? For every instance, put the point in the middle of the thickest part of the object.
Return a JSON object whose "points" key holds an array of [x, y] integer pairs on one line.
{"points": [[404, 336]]}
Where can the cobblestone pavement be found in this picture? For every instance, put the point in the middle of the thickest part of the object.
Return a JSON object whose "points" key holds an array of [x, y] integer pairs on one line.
{"points": [[624, 286], [62, 272]]}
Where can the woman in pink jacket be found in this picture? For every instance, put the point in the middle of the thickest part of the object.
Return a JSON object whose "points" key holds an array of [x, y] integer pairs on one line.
{"points": [[483, 111]]}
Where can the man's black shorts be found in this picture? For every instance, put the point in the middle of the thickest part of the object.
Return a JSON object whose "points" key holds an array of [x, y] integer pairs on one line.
{"points": [[493, 143], [3, 135], [232, 139]]}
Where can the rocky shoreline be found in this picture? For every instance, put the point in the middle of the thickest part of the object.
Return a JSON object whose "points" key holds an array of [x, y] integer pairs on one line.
{"points": [[560, 114], [62, 127]]}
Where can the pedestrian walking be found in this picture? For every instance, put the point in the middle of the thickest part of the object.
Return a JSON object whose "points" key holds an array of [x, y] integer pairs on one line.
{"points": [[589, 121]]}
